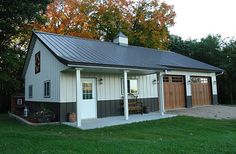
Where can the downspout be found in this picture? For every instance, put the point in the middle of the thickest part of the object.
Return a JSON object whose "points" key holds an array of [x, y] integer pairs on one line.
{"points": [[221, 73]]}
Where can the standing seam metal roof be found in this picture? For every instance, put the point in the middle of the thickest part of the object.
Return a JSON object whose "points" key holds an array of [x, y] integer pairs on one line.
{"points": [[75, 50]]}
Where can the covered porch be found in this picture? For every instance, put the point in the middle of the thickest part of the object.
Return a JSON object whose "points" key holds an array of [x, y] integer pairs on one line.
{"points": [[118, 120], [125, 74]]}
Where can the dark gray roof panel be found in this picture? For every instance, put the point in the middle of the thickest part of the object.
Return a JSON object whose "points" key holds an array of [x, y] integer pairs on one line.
{"points": [[74, 50]]}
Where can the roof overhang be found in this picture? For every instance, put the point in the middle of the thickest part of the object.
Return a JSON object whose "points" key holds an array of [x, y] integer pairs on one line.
{"points": [[115, 69], [195, 69]]}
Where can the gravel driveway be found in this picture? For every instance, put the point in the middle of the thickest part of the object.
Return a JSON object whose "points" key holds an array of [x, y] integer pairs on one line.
{"points": [[210, 112]]}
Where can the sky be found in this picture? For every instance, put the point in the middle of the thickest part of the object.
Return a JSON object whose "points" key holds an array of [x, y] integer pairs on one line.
{"points": [[197, 18]]}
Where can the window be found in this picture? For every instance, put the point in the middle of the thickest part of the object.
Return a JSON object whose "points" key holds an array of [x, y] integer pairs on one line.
{"points": [[132, 86], [19, 101], [177, 79], [166, 79], [87, 90], [199, 80], [30, 91], [47, 88]]}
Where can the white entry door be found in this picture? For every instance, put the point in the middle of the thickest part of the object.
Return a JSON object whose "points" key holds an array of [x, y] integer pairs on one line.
{"points": [[89, 101]]}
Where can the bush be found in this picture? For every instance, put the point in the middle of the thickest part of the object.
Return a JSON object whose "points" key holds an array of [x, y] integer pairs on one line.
{"points": [[44, 114]]}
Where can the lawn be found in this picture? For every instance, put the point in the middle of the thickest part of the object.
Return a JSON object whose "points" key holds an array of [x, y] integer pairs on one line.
{"points": [[176, 135]]}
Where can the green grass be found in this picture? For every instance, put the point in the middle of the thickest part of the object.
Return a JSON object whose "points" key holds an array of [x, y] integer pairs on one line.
{"points": [[176, 135]]}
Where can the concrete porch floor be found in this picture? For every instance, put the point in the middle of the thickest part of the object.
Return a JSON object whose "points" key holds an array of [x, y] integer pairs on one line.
{"points": [[118, 120]]}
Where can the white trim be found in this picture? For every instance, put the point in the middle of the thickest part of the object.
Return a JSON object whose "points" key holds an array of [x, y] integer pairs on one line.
{"points": [[126, 106], [116, 68], [45, 90], [78, 97], [122, 86], [161, 94]]}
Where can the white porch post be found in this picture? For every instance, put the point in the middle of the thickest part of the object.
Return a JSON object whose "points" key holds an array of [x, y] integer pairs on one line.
{"points": [[78, 97], [161, 94], [126, 106]]}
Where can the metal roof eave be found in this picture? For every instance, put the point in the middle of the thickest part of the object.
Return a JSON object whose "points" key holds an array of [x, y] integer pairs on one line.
{"points": [[117, 67], [218, 70]]}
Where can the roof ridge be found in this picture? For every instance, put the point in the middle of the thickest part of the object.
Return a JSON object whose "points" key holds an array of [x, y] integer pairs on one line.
{"points": [[77, 37]]}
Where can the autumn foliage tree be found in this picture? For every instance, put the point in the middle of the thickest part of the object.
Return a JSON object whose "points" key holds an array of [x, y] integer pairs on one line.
{"points": [[69, 17], [145, 22]]}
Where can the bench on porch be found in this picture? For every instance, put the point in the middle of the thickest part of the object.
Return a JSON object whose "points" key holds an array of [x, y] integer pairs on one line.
{"points": [[134, 107]]}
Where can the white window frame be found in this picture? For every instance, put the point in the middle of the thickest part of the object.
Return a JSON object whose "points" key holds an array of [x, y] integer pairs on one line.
{"points": [[129, 92], [47, 90], [19, 101], [30, 91]]}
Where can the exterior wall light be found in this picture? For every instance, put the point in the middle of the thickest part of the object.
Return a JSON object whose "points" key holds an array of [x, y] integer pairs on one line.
{"points": [[189, 81], [154, 81], [100, 81]]}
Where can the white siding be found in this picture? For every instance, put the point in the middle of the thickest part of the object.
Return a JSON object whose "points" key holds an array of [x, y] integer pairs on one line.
{"points": [[67, 87], [111, 87], [50, 70]]}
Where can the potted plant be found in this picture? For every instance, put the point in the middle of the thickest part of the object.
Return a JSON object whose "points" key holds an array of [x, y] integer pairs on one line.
{"points": [[72, 117], [146, 109]]}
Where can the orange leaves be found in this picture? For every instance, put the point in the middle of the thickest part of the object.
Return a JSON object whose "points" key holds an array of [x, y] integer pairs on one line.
{"points": [[146, 22], [69, 17]]}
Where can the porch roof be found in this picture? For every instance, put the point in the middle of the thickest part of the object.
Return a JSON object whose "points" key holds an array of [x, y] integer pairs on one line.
{"points": [[77, 51]]}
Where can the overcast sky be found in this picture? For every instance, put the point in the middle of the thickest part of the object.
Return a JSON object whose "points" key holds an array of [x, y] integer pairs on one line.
{"points": [[198, 18]]}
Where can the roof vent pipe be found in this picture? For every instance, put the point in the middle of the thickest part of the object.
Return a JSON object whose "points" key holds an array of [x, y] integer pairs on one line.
{"points": [[121, 39]]}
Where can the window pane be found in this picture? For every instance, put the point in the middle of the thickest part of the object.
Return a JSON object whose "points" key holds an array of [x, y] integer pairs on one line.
{"points": [[133, 86], [45, 94], [87, 90], [47, 89], [30, 91], [128, 86], [89, 96]]}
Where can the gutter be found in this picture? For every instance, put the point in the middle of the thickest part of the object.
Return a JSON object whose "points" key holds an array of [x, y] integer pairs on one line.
{"points": [[116, 68], [221, 73]]}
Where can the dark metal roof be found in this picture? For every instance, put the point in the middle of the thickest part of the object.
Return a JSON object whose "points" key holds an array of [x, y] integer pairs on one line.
{"points": [[75, 50]]}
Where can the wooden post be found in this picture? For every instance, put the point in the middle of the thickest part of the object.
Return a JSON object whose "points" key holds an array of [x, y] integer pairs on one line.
{"points": [[126, 106]]}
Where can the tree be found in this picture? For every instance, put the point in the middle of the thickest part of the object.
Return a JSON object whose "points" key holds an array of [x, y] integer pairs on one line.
{"points": [[15, 25], [69, 17], [215, 51], [111, 17], [229, 65], [146, 22], [150, 22]]}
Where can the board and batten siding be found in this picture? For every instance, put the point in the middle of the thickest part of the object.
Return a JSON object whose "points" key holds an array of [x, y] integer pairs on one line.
{"points": [[50, 69], [110, 89]]}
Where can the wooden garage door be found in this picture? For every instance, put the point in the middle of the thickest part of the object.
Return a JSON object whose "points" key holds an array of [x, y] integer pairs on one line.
{"points": [[201, 91], [174, 93]]}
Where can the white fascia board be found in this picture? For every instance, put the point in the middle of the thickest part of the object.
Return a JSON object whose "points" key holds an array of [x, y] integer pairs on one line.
{"points": [[116, 68]]}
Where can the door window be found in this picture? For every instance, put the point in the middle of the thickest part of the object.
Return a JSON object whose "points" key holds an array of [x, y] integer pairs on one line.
{"points": [[87, 90]]}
